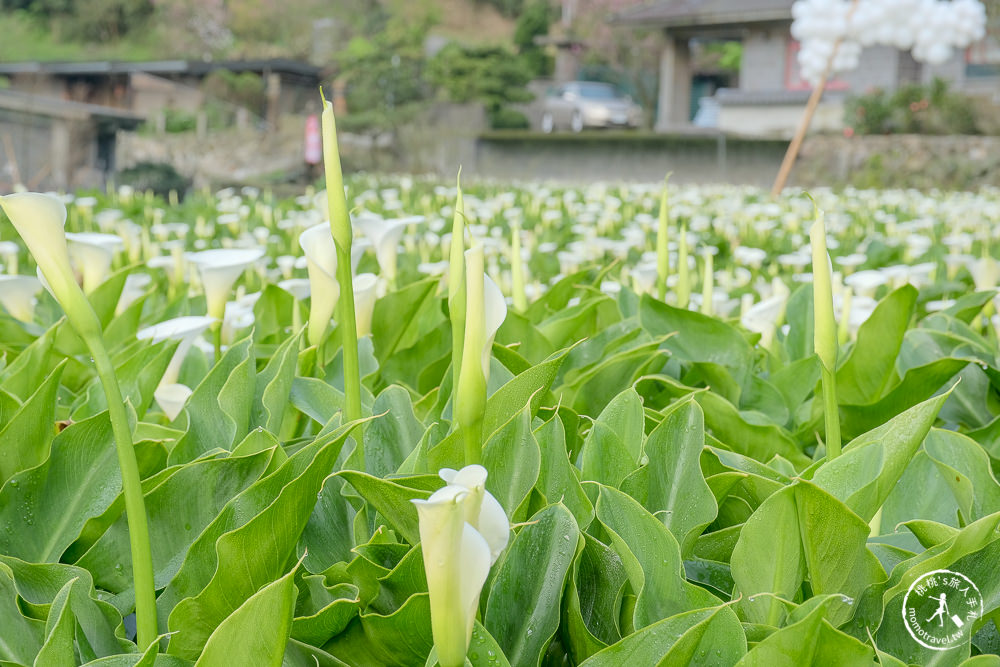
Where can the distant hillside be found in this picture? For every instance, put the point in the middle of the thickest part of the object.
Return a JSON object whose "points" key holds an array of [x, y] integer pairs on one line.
{"points": [[150, 29]]}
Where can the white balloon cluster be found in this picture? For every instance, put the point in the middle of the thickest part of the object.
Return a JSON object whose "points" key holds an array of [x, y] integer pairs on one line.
{"points": [[932, 29]]}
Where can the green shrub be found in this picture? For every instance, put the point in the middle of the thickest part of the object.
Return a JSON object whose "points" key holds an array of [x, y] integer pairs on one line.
{"points": [[160, 177], [508, 119], [912, 109]]}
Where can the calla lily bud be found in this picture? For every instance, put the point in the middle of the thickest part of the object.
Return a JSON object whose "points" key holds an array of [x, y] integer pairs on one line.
{"points": [[485, 312], [662, 248], [219, 270], [825, 333], [321, 263], [463, 530]]}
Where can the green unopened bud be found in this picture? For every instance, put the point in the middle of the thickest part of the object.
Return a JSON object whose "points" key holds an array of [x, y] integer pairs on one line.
{"points": [[456, 287], [662, 245], [825, 329], [683, 272]]}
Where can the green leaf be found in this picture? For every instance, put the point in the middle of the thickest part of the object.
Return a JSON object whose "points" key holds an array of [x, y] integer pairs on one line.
{"points": [[809, 641], [218, 412], [44, 509], [522, 612], [26, 438], [391, 498], [671, 485], [699, 637], [651, 557], [557, 478], [60, 629], [256, 633], [699, 338], [395, 321], [872, 463], [22, 637], [274, 384], [592, 603], [250, 541], [513, 458], [612, 449], [869, 367], [393, 433], [178, 510]]}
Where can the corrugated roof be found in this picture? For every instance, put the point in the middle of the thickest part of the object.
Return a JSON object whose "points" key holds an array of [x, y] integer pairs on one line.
{"points": [[704, 13], [14, 100]]}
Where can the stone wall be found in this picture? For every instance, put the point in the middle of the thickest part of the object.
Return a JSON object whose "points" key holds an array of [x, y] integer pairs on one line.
{"points": [[900, 161]]}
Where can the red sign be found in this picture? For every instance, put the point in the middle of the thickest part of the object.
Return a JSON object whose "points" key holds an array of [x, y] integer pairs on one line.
{"points": [[314, 141]]}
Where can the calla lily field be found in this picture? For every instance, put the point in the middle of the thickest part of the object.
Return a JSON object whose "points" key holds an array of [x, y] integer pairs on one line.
{"points": [[396, 421]]}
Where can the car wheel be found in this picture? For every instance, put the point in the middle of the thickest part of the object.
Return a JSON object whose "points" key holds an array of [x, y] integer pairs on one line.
{"points": [[576, 122], [548, 124]]}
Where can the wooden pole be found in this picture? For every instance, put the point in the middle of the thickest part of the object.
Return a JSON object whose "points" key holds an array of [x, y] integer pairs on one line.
{"points": [[800, 134]]}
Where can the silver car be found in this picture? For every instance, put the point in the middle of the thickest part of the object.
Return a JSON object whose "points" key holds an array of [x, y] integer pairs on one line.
{"points": [[582, 104]]}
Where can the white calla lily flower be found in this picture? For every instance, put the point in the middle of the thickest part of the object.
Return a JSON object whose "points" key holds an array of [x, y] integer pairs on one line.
{"points": [[92, 253], [171, 398], [384, 235], [463, 530], [321, 262], [17, 295], [365, 295], [184, 329], [219, 270]]}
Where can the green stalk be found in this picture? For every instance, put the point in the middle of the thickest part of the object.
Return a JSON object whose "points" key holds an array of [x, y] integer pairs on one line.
{"points": [[683, 273], [340, 228], [662, 245], [83, 319], [456, 291], [517, 270], [831, 413], [217, 340], [472, 436]]}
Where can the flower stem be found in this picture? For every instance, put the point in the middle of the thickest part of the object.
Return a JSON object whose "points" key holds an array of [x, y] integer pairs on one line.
{"points": [[349, 331], [135, 506], [217, 340], [472, 436], [831, 413]]}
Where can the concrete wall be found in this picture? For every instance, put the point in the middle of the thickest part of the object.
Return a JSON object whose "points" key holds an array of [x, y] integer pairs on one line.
{"points": [[779, 120], [878, 68], [763, 64], [636, 157]]}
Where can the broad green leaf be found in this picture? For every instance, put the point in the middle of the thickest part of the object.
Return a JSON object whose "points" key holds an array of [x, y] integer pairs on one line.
{"points": [[391, 497], [397, 316], [671, 485], [22, 637], [393, 433], [274, 384], [612, 449], [218, 412], [26, 438], [44, 509], [966, 469], [593, 599], [651, 557], [871, 464], [810, 641], [698, 637], [251, 540], [60, 630], [256, 633], [699, 338], [522, 612], [178, 510], [558, 480], [513, 459], [869, 367]]}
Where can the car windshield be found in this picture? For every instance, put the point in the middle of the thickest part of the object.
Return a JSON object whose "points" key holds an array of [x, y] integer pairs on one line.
{"points": [[597, 91]]}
